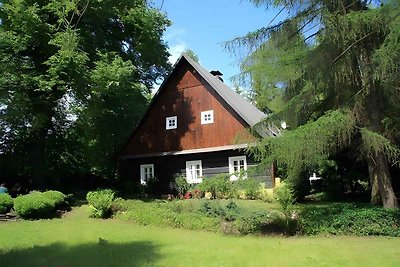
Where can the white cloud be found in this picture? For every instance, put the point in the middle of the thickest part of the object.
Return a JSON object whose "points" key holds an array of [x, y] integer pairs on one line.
{"points": [[176, 50], [173, 33]]}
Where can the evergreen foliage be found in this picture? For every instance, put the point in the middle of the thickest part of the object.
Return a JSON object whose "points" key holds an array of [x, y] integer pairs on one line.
{"points": [[330, 70]]}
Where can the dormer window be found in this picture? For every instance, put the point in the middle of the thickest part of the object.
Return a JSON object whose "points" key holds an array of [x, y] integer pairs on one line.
{"points": [[207, 117], [171, 123]]}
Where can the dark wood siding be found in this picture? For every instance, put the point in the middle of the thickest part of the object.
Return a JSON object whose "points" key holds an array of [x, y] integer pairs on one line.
{"points": [[186, 95], [166, 167]]}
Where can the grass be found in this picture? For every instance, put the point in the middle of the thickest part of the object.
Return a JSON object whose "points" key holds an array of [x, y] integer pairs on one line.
{"points": [[77, 240]]}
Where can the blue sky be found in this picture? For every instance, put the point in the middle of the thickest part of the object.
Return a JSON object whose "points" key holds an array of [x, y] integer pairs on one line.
{"points": [[204, 25]]}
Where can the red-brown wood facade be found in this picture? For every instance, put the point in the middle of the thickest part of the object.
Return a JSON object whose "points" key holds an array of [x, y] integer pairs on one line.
{"points": [[185, 95]]}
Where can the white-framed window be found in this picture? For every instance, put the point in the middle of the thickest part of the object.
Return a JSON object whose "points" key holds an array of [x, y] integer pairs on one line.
{"points": [[207, 117], [237, 165], [146, 172], [194, 172], [171, 122]]}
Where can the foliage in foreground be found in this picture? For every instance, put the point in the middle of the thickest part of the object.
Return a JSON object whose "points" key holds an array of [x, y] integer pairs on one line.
{"points": [[129, 244], [58, 199], [229, 217], [240, 217], [100, 202], [37, 205], [177, 214], [350, 219], [6, 203], [34, 206]]}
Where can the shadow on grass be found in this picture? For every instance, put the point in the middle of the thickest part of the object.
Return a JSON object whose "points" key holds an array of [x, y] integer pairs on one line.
{"points": [[103, 253]]}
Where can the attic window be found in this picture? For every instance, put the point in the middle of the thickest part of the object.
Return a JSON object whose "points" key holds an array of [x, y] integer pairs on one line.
{"points": [[171, 123], [207, 117]]}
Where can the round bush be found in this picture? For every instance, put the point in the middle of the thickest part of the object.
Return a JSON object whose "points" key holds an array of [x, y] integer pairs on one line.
{"points": [[35, 205], [6, 203], [58, 198]]}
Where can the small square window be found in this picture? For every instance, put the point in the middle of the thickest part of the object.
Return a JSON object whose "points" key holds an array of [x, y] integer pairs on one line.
{"points": [[207, 117], [171, 123]]}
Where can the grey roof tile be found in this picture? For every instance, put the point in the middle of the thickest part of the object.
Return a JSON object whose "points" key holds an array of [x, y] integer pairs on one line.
{"points": [[241, 106]]}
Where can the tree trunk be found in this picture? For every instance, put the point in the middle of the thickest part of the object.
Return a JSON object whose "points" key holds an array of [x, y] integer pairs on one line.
{"points": [[373, 181], [381, 182], [378, 164]]}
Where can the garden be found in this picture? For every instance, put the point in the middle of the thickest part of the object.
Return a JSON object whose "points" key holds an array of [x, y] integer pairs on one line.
{"points": [[215, 223]]}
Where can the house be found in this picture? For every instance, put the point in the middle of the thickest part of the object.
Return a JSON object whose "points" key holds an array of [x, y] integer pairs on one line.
{"points": [[195, 125]]}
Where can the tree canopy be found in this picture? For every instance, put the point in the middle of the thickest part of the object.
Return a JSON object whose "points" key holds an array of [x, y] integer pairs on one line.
{"points": [[75, 76], [330, 70]]}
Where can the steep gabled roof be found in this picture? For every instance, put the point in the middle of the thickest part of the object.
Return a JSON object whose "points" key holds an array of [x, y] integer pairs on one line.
{"points": [[245, 110], [249, 113]]}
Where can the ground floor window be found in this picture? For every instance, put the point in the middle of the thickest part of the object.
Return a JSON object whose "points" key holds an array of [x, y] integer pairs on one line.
{"points": [[194, 172], [146, 172], [237, 166]]}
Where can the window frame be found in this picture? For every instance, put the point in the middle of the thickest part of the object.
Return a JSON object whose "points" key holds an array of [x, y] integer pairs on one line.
{"points": [[232, 171], [143, 173], [189, 171], [167, 124], [204, 114]]}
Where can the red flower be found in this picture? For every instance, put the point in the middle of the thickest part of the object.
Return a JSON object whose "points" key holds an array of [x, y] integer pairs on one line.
{"points": [[188, 195]]}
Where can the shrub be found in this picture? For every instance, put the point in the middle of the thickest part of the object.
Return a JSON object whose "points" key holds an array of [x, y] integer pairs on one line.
{"points": [[181, 184], [6, 203], [179, 214], [251, 222], [100, 202], [232, 211], [250, 186], [350, 219], [266, 194], [218, 185], [289, 219], [152, 186], [183, 206], [34, 206], [284, 197], [212, 209], [58, 198]]}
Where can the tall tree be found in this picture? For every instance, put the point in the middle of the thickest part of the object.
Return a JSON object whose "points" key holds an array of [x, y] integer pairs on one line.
{"points": [[74, 79], [334, 65]]}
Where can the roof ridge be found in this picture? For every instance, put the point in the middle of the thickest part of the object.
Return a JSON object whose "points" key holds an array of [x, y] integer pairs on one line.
{"points": [[247, 111]]}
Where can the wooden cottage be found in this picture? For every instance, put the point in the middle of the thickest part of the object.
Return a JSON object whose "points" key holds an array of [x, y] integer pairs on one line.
{"points": [[195, 125]]}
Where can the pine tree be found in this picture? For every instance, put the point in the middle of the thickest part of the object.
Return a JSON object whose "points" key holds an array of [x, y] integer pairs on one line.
{"points": [[333, 68]]}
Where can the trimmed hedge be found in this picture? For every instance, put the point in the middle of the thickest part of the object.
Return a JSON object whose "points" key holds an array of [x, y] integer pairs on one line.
{"points": [[58, 198], [6, 203], [35, 205]]}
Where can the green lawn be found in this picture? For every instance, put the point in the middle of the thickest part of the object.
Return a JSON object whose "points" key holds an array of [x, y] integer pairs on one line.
{"points": [[77, 240]]}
